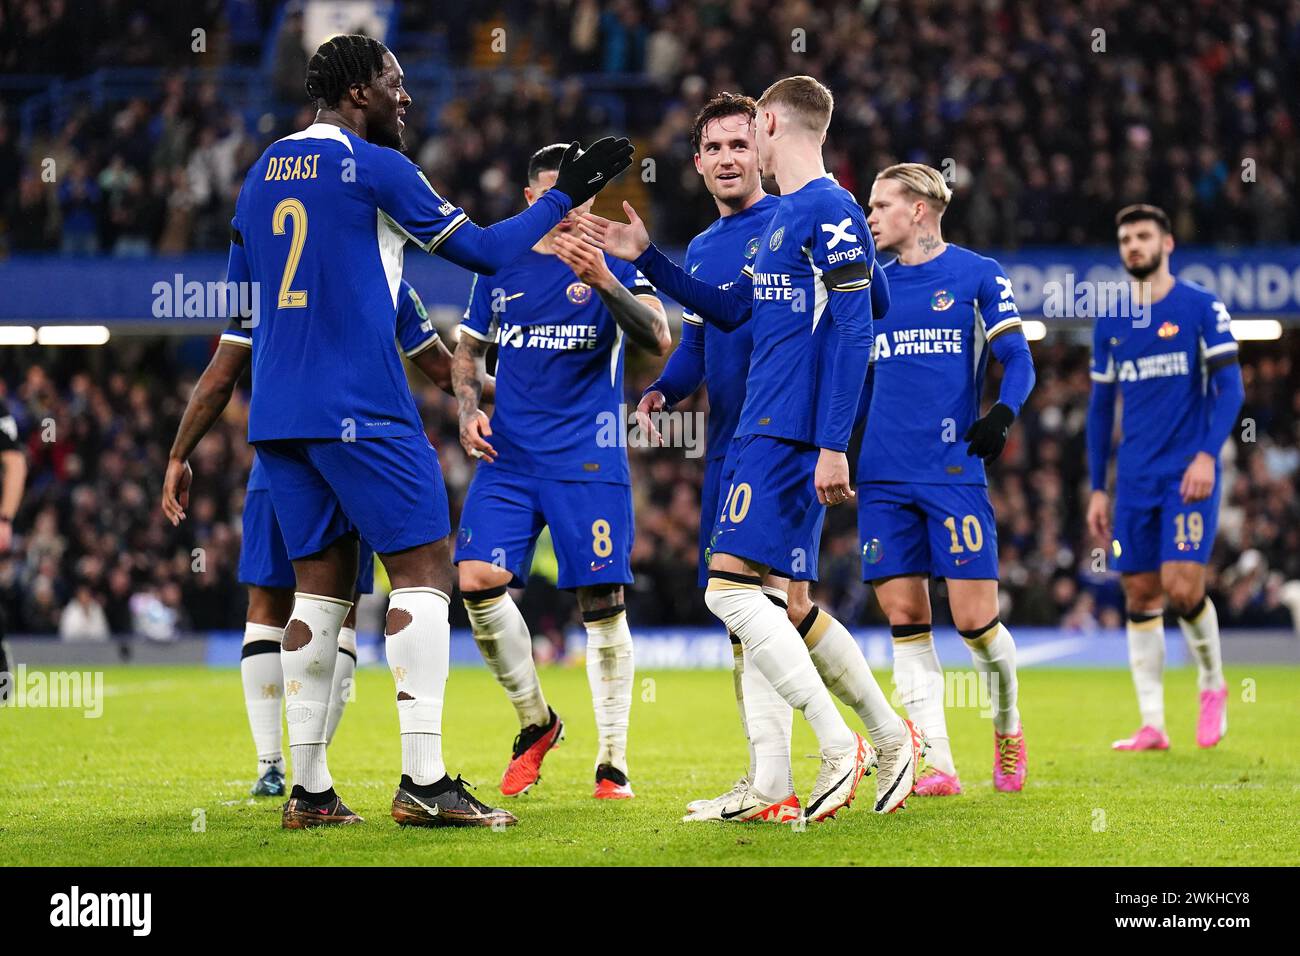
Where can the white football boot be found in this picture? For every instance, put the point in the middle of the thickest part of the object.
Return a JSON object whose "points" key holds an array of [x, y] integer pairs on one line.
{"points": [[696, 806], [745, 804], [898, 768], [837, 780]]}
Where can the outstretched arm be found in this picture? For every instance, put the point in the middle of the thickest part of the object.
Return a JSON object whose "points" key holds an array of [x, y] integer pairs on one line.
{"points": [[438, 227], [725, 308]]}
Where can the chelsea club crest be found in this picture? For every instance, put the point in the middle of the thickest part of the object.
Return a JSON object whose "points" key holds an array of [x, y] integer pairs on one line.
{"points": [[775, 242], [751, 248], [942, 301], [579, 293]]}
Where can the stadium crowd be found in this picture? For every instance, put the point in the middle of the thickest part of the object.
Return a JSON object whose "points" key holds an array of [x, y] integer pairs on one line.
{"points": [[94, 557], [1048, 116]]}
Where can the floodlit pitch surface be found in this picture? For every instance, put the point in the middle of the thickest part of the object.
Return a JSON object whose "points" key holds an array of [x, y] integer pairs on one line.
{"points": [[162, 777]]}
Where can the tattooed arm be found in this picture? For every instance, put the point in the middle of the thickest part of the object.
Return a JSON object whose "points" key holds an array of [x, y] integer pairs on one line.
{"points": [[468, 373], [641, 317]]}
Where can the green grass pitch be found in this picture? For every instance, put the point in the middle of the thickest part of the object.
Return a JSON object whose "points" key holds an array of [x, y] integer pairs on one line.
{"points": [[172, 751]]}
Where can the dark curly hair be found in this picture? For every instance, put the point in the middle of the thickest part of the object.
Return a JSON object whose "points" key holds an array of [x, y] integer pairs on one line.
{"points": [[341, 62], [724, 104]]}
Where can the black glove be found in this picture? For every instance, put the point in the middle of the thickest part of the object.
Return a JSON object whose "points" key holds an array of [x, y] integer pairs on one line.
{"points": [[988, 436], [581, 177]]}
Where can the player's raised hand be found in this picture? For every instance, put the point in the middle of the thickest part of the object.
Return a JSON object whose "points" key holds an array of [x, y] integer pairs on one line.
{"points": [[587, 262], [651, 403], [623, 240], [583, 175], [176, 490], [472, 429], [1198, 479], [831, 478], [1099, 516]]}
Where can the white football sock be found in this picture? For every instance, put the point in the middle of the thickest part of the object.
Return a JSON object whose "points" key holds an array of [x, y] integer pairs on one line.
{"points": [[1201, 631], [417, 644], [993, 652], [343, 689], [776, 650], [1146, 658], [610, 668], [738, 685], [507, 648], [845, 672], [263, 679], [770, 721], [918, 678], [308, 655]]}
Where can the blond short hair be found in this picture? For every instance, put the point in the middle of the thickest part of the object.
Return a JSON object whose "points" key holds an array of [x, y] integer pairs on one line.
{"points": [[920, 180], [808, 100]]}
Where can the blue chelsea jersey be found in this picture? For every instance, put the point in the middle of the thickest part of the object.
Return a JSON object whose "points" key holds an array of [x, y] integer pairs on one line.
{"points": [[320, 226], [930, 355], [717, 255], [816, 235], [1158, 362], [560, 411], [415, 333]]}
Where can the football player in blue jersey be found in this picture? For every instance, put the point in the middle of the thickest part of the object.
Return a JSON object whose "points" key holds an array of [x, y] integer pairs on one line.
{"points": [[554, 456], [1173, 360], [807, 297], [725, 156], [264, 565], [923, 502], [319, 230]]}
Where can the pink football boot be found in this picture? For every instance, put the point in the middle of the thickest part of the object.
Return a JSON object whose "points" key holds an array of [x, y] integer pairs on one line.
{"points": [[1147, 738], [1010, 761], [1213, 723], [933, 782]]}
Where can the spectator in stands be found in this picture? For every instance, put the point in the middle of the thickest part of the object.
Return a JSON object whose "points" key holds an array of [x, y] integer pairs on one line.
{"points": [[83, 619], [28, 217], [1044, 136], [290, 59], [79, 211]]}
